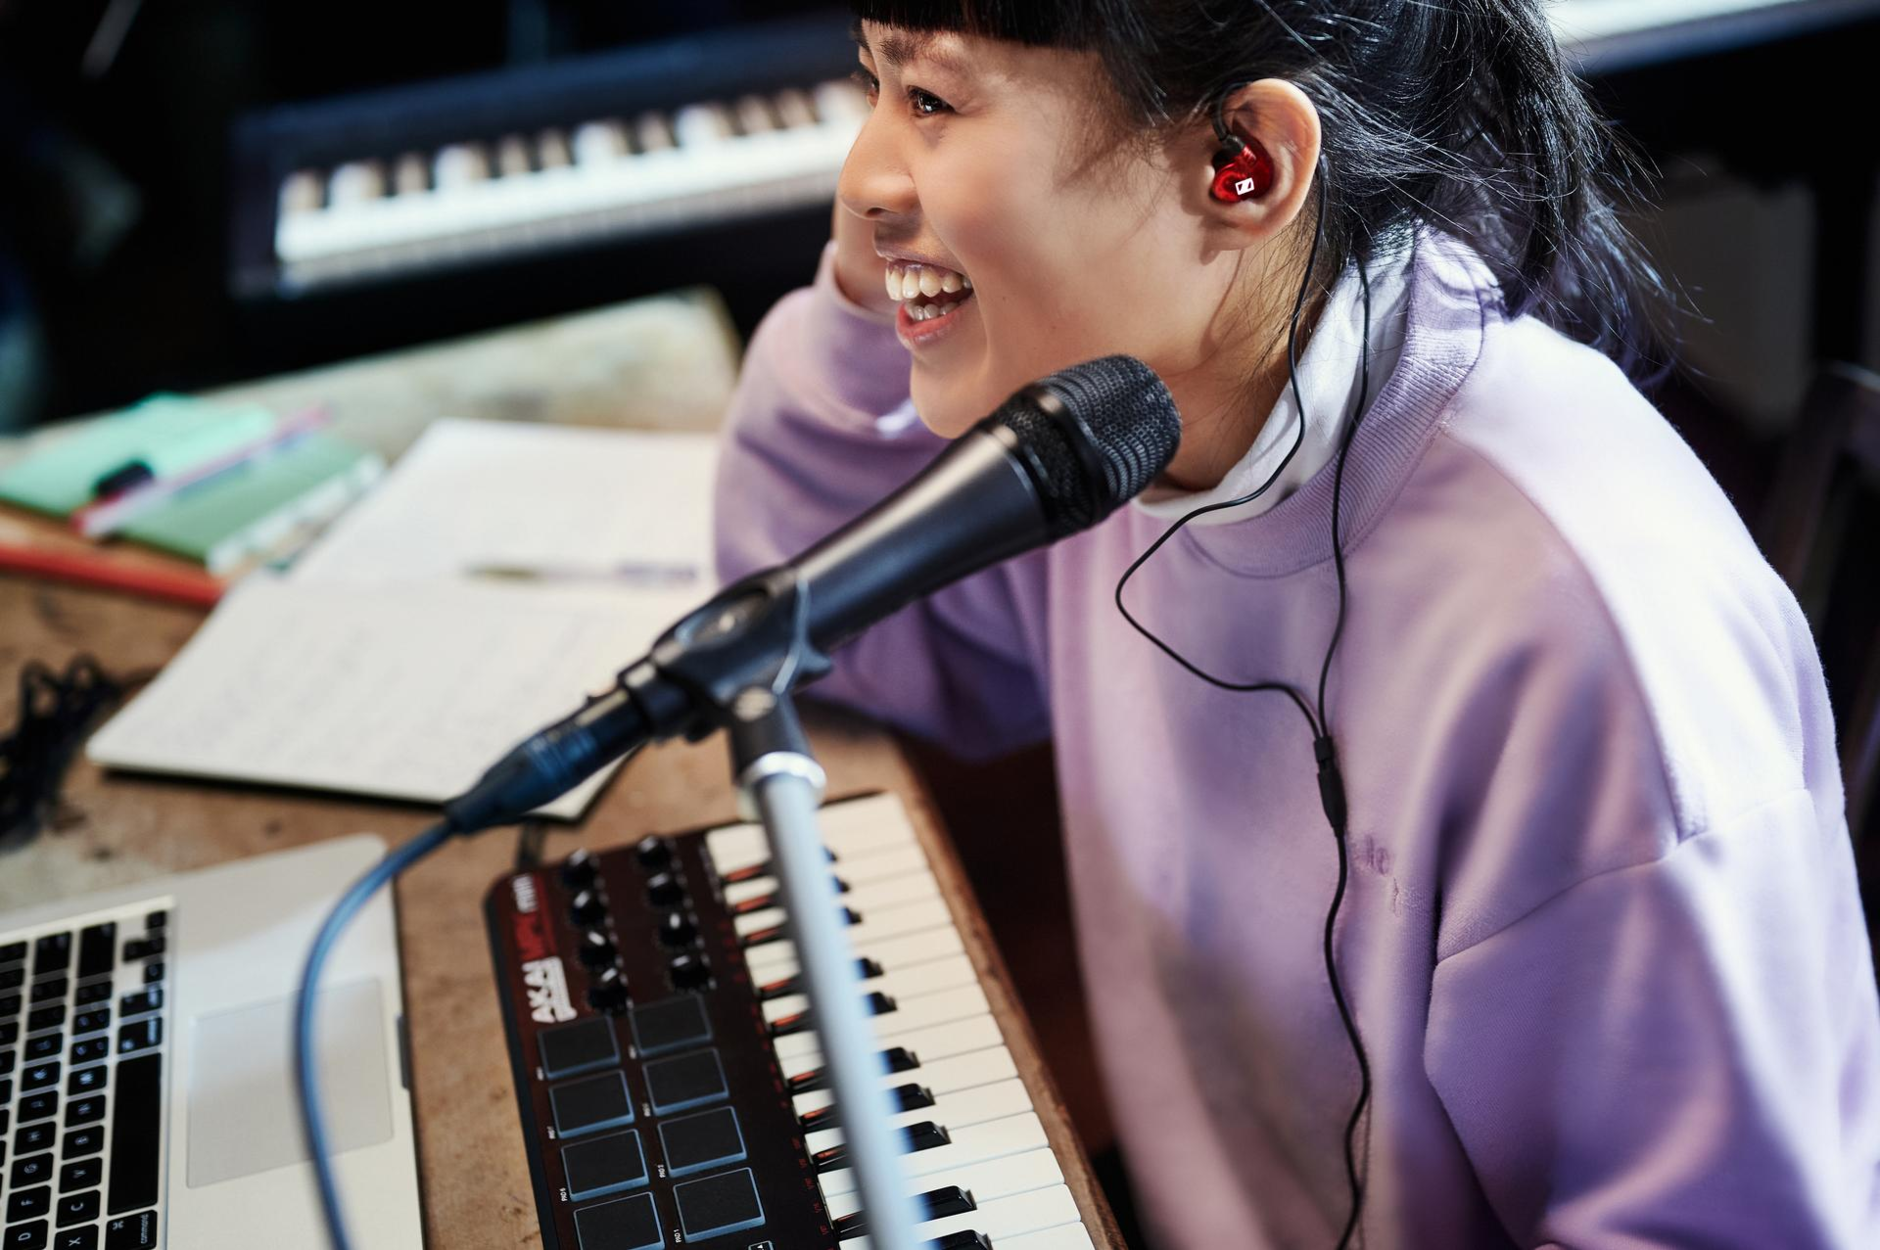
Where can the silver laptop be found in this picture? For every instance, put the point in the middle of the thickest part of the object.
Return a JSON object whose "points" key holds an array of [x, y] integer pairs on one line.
{"points": [[146, 1096]]}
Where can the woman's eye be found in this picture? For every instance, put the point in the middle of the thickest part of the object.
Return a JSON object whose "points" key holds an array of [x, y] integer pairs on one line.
{"points": [[926, 103]]}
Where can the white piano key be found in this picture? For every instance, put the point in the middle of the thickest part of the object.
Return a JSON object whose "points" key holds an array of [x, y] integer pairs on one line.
{"points": [[794, 108], [1066, 1237], [512, 157], [891, 922], [960, 1110], [355, 182], [702, 125], [755, 116], [1001, 1218], [941, 1076], [898, 954], [652, 132], [906, 986], [867, 900], [915, 1020], [599, 143], [875, 830], [840, 102], [997, 1139], [460, 164], [858, 871], [987, 1182], [303, 191], [552, 151], [411, 174]]}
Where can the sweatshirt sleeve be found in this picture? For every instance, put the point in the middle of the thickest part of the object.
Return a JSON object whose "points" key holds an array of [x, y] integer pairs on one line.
{"points": [[1676, 1052], [820, 429]]}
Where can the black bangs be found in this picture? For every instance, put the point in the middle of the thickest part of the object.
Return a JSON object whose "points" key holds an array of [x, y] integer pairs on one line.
{"points": [[1043, 23]]}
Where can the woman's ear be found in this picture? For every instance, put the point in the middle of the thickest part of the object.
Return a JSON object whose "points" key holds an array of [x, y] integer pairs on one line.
{"points": [[1284, 123]]}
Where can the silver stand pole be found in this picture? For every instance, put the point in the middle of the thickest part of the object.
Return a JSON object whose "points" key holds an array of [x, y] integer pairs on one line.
{"points": [[783, 786]]}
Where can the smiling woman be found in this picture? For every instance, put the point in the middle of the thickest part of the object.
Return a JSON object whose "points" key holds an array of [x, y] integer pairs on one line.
{"points": [[1600, 976]]}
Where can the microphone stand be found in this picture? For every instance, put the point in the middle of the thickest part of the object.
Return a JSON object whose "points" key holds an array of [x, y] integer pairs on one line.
{"points": [[780, 783]]}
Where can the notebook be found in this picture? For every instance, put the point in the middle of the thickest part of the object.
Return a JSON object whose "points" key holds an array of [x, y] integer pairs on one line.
{"points": [[401, 692]]}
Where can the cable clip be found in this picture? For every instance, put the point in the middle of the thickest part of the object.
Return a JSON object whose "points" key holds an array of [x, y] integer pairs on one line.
{"points": [[1331, 783]]}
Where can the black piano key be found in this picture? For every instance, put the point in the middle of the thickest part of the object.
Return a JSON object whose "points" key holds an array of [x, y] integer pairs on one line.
{"points": [[964, 1240], [923, 1136], [904, 1097], [865, 969], [136, 1121], [97, 948], [935, 1204], [900, 1059]]}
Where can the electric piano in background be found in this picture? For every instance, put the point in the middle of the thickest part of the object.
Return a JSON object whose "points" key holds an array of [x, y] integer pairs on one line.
{"points": [[407, 214], [381, 219]]}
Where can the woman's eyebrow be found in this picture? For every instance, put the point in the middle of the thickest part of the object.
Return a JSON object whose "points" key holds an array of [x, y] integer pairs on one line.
{"points": [[898, 48]]}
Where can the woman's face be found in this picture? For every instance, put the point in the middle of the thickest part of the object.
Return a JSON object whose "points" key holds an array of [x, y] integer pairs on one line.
{"points": [[987, 162]]}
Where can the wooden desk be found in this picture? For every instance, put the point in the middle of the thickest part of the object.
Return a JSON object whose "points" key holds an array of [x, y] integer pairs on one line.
{"points": [[116, 829]]}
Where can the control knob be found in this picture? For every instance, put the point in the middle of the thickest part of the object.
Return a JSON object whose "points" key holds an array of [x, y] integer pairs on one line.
{"points": [[587, 908], [608, 991]]}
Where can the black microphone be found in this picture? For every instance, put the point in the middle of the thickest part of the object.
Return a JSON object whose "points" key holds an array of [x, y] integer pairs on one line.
{"points": [[1056, 458]]}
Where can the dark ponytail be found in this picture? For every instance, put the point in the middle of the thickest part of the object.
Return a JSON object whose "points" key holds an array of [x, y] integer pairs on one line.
{"points": [[1461, 115]]}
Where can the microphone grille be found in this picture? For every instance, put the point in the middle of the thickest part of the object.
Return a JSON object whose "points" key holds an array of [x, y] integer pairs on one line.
{"points": [[1093, 437]]}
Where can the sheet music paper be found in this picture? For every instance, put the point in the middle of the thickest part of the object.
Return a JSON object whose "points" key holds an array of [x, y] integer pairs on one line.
{"points": [[379, 666], [472, 493], [402, 692]]}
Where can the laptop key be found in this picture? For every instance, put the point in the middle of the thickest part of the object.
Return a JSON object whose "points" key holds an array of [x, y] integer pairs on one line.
{"points": [[34, 1170], [91, 1021], [140, 1002], [153, 972], [39, 1076], [39, 1106], [85, 1080], [52, 953], [8, 1058], [52, 989], [96, 992], [28, 1203], [96, 950], [89, 1051], [35, 1137], [78, 1209], [50, 1017], [85, 1238], [10, 1004], [44, 1046], [9, 1032], [131, 1232], [26, 1236], [81, 1142], [12, 978], [13, 953], [85, 1174], [84, 1111], [140, 1035], [136, 1121]]}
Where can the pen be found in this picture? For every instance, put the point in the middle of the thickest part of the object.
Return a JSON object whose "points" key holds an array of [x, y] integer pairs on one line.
{"points": [[632, 573]]}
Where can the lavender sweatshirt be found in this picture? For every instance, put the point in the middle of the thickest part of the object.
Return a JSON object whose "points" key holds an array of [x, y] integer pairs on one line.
{"points": [[1602, 937]]}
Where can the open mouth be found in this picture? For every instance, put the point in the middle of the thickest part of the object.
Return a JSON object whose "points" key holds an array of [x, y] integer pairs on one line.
{"points": [[929, 297]]}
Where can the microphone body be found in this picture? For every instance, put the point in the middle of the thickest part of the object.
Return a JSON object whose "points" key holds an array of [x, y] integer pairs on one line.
{"points": [[1054, 459]]}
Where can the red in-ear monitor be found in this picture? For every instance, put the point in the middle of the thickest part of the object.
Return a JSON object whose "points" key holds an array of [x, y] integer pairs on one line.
{"points": [[1242, 171]]}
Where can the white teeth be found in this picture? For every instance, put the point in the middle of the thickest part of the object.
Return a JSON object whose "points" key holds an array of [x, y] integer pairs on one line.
{"points": [[907, 281]]}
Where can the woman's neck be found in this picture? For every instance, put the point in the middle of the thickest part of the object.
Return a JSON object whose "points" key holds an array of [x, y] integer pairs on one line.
{"points": [[1226, 398]]}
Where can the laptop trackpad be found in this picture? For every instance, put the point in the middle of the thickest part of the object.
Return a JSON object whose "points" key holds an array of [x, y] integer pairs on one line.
{"points": [[243, 1115]]}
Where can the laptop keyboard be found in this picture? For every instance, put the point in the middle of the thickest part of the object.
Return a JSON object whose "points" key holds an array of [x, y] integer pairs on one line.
{"points": [[83, 1041]]}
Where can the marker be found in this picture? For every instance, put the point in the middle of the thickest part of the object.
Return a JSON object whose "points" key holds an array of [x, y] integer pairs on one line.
{"points": [[129, 491]]}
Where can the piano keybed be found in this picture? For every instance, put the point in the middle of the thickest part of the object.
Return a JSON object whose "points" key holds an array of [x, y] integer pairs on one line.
{"points": [[605, 177], [693, 919]]}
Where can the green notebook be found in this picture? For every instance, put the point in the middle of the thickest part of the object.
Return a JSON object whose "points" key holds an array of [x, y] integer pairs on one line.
{"points": [[250, 511], [166, 433]]}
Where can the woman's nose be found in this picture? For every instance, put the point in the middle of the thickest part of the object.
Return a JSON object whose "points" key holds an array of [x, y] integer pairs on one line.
{"points": [[875, 182]]}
